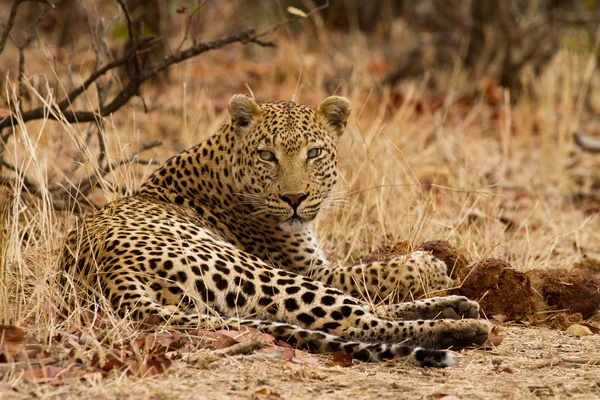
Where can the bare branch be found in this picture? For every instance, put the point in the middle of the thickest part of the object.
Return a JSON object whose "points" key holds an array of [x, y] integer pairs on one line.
{"points": [[10, 23], [63, 104], [132, 36], [13, 14], [23, 46], [132, 87]]}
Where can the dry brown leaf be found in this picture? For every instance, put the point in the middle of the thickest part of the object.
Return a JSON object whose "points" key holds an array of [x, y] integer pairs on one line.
{"points": [[438, 395], [155, 365], [303, 357], [500, 318], [341, 359], [7, 390], [281, 343], [223, 341], [158, 342], [498, 369], [282, 353], [265, 394], [492, 91], [10, 342], [494, 338], [204, 338], [47, 373], [93, 377]]}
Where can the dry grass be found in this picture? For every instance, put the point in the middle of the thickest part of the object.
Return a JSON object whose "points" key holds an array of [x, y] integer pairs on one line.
{"points": [[408, 173]]}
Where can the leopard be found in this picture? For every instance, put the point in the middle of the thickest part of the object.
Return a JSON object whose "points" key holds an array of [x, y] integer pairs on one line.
{"points": [[222, 236]]}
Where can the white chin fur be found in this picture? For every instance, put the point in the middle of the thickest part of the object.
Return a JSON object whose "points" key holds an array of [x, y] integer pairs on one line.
{"points": [[294, 225]]}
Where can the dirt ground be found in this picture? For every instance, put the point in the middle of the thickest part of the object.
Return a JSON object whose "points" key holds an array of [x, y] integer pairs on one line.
{"points": [[531, 363]]}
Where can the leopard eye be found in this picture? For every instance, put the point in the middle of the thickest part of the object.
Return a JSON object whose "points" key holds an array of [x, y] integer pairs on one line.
{"points": [[314, 153], [266, 155]]}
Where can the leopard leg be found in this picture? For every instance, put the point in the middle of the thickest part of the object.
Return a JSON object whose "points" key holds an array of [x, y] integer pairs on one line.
{"points": [[140, 304], [399, 279]]}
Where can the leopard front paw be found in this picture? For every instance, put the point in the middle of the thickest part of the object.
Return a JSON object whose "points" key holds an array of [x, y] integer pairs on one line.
{"points": [[432, 273], [446, 333], [458, 307], [466, 332]]}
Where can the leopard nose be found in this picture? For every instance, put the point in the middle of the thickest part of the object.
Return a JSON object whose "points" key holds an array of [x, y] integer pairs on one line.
{"points": [[293, 199]]}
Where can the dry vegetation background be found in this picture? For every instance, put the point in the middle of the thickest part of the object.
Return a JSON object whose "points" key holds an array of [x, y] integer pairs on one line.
{"points": [[443, 153]]}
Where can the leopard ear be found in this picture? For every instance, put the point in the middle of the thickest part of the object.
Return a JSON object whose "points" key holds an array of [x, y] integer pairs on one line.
{"points": [[335, 111], [243, 111]]}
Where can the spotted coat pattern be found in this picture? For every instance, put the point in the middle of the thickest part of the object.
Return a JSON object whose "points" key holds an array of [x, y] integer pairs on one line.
{"points": [[221, 235]]}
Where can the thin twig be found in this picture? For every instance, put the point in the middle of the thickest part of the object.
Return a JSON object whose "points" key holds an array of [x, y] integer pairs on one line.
{"points": [[132, 36], [10, 23], [97, 53], [23, 46]]}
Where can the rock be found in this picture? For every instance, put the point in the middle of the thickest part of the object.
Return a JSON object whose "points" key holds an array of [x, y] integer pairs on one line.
{"points": [[500, 289], [574, 291]]}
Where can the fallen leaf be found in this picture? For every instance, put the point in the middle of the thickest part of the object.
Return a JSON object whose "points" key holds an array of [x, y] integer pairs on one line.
{"points": [[281, 343], [578, 330], [281, 353], [265, 394], [341, 359], [155, 365], [498, 369], [10, 342], [223, 341], [47, 373], [303, 357], [93, 377], [494, 338], [492, 91], [438, 395]]}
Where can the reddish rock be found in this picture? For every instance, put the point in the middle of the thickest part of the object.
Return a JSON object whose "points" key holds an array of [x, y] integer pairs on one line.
{"points": [[500, 289], [573, 291]]}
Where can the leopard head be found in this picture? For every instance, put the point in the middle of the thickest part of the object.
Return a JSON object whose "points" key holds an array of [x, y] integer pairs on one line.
{"points": [[285, 156]]}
